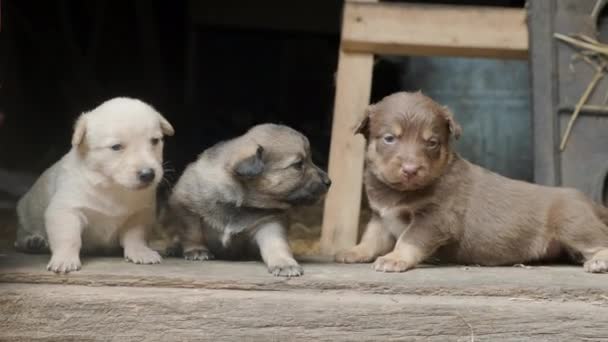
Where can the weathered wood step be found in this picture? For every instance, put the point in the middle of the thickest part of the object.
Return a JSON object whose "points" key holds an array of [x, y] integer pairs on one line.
{"points": [[555, 283], [239, 301]]}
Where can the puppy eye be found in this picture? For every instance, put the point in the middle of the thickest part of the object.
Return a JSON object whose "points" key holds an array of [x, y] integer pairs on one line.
{"points": [[432, 144], [117, 147], [389, 139], [298, 165], [154, 141]]}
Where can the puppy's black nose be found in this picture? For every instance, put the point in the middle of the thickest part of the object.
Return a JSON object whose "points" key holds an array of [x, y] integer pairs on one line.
{"points": [[146, 175], [325, 179]]}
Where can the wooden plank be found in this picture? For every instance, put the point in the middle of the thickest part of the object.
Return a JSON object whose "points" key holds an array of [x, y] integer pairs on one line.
{"points": [[346, 155], [557, 283], [544, 93], [435, 30], [80, 313]]}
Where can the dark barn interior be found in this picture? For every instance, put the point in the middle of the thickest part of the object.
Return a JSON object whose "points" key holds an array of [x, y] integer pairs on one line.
{"points": [[215, 69], [213, 76]]}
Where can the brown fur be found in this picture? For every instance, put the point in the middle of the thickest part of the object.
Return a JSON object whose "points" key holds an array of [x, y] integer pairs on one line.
{"points": [[456, 211], [233, 199]]}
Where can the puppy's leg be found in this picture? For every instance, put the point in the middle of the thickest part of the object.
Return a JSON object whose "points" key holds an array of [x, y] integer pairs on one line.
{"points": [[31, 235], [133, 240], [376, 241], [580, 228], [192, 238], [272, 242], [414, 245], [64, 230]]}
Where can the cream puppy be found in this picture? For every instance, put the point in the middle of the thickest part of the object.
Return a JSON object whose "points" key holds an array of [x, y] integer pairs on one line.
{"points": [[102, 194]]}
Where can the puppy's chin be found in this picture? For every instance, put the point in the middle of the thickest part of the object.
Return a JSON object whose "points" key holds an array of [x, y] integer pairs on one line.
{"points": [[307, 195], [409, 185], [138, 187], [304, 201], [134, 186]]}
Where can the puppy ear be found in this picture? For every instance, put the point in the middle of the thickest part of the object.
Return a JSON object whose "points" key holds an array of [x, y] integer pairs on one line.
{"points": [[165, 126], [251, 166], [453, 125], [80, 128], [363, 125]]}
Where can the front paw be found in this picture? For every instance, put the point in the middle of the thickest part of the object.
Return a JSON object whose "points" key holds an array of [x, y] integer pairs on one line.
{"points": [[354, 255], [391, 263], [285, 268], [36, 244], [64, 263], [596, 266], [142, 255], [198, 254]]}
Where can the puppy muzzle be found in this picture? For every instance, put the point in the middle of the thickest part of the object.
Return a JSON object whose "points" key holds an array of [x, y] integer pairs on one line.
{"points": [[311, 191]]}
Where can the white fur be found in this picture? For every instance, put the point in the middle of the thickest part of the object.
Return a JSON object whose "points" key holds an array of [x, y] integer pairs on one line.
{"points": [[92, 199]]}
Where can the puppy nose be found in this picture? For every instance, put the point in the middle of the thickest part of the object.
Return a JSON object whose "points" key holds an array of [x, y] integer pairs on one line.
{"points": [[325, 179], [146, 175], [409, 169]]}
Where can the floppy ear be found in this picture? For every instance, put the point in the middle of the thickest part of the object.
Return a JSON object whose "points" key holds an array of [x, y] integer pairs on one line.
{"points": [[251, 166], [79, 130], [363, 125], [165, 126], [455, 129]]}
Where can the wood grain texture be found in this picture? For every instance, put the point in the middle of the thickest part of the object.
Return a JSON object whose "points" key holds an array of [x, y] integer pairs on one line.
{"points": [[111, 300], [346, 155], [435, 30], [561, 283], [80, 313]]}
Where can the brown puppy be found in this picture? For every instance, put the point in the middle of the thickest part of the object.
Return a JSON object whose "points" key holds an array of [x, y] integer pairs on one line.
{"points": [[233, 199], [428, 201]]}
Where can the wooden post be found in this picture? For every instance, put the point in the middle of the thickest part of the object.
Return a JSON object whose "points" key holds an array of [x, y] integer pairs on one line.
{"points": [[342, 205], [545, 93]]}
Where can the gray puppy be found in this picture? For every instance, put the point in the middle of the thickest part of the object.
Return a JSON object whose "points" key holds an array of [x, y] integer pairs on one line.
{"points": [[232, 201]]}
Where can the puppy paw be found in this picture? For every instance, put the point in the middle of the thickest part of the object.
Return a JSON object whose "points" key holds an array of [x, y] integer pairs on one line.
{"points": [[64, 263], [172, 251], [285, 268], [352, 256], [142, 255], [596, 266], [391, 263], [36, 243], [198, 254], [33, 244]]}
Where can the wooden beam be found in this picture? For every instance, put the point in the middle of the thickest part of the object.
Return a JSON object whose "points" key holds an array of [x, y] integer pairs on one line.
{"points": [[545, 93], [82, 313], [343, 202], [435, 30]]}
